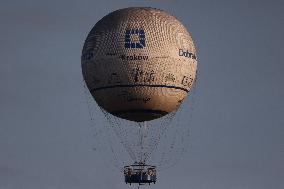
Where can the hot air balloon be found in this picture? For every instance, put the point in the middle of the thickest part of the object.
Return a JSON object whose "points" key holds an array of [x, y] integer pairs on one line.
{"points": [[139, 64]]}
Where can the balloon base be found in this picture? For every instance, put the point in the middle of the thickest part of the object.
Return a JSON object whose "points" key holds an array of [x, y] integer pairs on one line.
{"points": [[140, 173]]}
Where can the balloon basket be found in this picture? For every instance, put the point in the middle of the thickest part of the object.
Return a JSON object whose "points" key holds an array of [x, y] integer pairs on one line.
{"points": [[140, 173]]}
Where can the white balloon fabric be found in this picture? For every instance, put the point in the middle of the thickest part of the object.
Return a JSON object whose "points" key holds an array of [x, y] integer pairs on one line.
{"points": [[139, 63]]}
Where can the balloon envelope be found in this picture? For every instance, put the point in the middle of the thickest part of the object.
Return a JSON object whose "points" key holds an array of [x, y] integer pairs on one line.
{"points": [[139, 63]]}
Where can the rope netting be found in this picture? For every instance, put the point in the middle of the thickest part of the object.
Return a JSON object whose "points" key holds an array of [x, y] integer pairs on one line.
{"points": [[161, 142]]}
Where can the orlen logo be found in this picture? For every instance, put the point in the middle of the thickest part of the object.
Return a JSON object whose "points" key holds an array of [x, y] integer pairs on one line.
{"points": [[186, 54], [134, 38]]}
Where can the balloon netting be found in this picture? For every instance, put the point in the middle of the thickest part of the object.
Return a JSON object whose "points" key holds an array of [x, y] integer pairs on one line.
{"points": [[161, 142]]}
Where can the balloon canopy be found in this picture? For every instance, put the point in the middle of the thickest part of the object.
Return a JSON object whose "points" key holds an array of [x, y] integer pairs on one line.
{"points": [[139, 63]]}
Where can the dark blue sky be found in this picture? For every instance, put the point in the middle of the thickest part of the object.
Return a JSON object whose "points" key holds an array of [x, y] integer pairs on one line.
{"points": [[237, 135]]}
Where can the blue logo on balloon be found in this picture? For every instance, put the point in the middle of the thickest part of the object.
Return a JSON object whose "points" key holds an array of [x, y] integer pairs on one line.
{"points": [[134, 38]]}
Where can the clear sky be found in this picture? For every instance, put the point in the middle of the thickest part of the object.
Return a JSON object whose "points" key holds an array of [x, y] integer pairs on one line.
{"points": [[237, 135]]}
